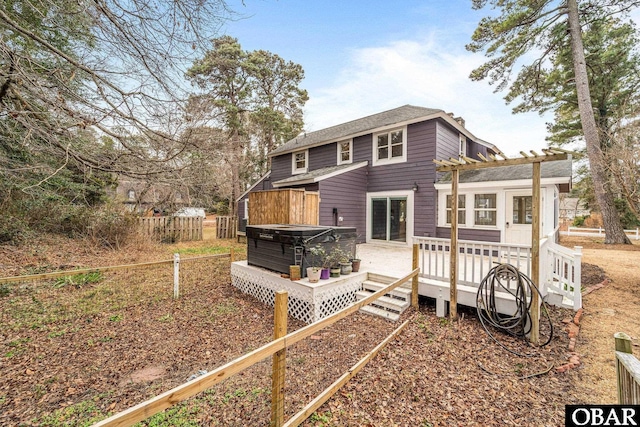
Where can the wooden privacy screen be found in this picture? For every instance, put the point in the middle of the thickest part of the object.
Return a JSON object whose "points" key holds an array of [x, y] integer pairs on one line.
{"points": [[288, 206]]}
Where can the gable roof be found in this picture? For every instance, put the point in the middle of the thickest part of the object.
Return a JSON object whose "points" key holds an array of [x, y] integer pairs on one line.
{"points": [[318, 174], [560, 169], [398, 116]]}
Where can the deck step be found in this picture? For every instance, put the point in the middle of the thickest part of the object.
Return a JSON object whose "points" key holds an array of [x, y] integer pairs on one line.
{"points": [[392, 304], [389, 306], [380, 312], [400, 293]]}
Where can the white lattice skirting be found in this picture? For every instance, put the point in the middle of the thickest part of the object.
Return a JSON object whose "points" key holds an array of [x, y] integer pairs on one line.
{"points": [[308, 302]]}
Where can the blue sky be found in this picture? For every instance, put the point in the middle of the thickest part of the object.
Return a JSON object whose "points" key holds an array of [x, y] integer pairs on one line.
{"points": [[363, 57]]}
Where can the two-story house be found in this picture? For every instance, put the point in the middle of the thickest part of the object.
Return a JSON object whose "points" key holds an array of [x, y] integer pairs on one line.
{"points": [[377, 174]]}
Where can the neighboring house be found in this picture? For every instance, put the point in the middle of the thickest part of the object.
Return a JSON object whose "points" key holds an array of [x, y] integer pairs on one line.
{"points": [[377, 174], [147, 198], [571, 207]]}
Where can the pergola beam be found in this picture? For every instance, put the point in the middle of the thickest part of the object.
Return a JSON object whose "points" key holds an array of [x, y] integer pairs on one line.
{"points": [[495, 162]]}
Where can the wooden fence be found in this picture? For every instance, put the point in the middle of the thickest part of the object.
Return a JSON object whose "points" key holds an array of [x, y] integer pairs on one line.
{"points": [[174, 396], [226, 227], [288, 206], [172, 228], [627, 371]]}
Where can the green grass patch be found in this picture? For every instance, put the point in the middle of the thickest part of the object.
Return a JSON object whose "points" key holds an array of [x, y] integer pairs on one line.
{"points": [[81, 414], [78, 280], [205, 250], [180, 415], [224, 308]]}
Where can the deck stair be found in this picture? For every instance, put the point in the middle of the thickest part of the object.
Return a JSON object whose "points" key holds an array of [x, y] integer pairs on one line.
{"points": [[390, 306]]}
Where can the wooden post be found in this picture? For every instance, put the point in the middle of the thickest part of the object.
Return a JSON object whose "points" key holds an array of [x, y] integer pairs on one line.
{"points": [[176, 276], [534, 336], [623, 342], [414, 281], [279, 360], [232, 255], [453, 250]]}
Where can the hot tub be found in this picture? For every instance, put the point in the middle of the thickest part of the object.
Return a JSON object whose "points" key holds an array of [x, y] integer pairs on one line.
{"points": [[278, 246]]}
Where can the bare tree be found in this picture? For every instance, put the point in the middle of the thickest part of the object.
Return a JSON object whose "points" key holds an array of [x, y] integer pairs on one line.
{"points": [[112, 66]]}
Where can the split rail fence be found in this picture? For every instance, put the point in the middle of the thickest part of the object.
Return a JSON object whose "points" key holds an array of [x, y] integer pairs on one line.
{"points": [[72, 273], [276, 348], [172, 228], [627, 371]]}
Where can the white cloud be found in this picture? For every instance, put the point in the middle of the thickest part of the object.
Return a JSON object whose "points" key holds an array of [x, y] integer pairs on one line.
{"points": [[425, 73]]}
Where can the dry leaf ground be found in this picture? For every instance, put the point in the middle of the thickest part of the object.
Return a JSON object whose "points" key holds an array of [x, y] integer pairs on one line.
{"points": [[73, 353]]}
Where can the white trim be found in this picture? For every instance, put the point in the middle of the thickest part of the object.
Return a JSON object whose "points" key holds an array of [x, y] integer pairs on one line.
{"points": [[246, 208], [295, 170], [247, 191], [410, 214], [338, 149], [389, 160], [439, 115], [470, 208], [319, 178], [515, 184], [462, 144]]}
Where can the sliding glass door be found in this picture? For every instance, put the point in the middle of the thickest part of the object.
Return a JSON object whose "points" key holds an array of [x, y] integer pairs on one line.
{"points": [[389, 219]]}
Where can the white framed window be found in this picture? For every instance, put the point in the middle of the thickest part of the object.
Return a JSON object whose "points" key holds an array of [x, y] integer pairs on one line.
{"points": [[390, 147], [300, 162], [462, 211], [131, 194], [246, 208], [345, 152], [463, 144], [485, 209]]}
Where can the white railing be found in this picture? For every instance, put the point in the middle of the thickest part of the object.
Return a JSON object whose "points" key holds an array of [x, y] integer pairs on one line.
{"points": [[560, 271], [475, 258], [560, 267], [597, 232]]}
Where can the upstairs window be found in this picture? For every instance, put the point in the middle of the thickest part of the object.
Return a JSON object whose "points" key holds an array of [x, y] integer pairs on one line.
{"points": [[463, 145], [131, 195], [300, 162], [485, 209], [345, 152], [462, 212], [390, 147]]}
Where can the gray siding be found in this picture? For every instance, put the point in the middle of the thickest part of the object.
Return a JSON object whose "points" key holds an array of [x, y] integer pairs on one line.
{"points": [[323, 156], [347, 194], [280, 167], [470, 234]]}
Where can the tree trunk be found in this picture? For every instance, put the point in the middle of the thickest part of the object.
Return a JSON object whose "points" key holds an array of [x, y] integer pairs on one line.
{"points": [[612, 225]]}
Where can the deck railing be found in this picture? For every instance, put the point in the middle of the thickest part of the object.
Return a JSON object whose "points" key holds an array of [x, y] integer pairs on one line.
{"points": [[559, 266], [475, 258], [560, 271], [627, 371]]}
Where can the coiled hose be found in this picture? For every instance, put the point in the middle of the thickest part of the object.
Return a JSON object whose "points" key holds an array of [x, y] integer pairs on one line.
{"points": [[518, 324]]}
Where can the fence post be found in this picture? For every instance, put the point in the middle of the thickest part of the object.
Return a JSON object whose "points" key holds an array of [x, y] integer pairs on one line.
{"points": [[414, 281], [176, 275], [232, 255], [623, 342], [623, 345], [279, 360]]}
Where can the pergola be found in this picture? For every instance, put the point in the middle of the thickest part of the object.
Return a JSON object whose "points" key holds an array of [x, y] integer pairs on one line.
{"points": [[464, 163]]}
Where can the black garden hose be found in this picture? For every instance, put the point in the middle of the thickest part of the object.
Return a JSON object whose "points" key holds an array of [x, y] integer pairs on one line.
{"points": [[517, 324]]}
